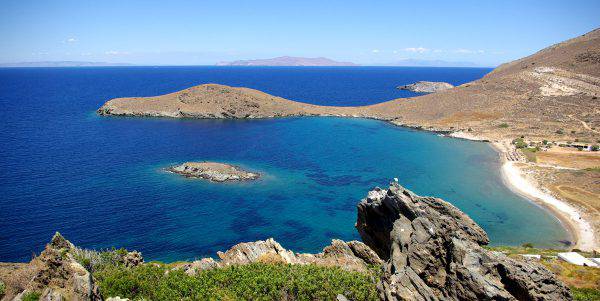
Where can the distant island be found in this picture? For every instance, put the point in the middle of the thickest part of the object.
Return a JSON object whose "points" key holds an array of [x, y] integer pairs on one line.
{"points": [[63, 64], [288, 61]]}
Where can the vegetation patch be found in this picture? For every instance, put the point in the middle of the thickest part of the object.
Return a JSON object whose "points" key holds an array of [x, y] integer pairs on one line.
{"points": [[585, 294], [31, 296], [529, 153], [257, 281]]}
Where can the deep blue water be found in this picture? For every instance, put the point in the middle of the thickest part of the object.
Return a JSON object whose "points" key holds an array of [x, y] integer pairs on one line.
{"points": [[99, 180]]}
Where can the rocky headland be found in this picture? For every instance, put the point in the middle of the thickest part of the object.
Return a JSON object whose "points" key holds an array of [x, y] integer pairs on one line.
{"points": [[213, 171], [427, 250], [426, 87], [433, 251], [551, 95]]}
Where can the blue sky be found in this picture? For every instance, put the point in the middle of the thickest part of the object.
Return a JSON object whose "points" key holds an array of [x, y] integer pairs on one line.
{"points": [[365, 32]]}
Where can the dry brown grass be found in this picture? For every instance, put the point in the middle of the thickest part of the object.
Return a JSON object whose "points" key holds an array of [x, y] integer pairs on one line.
{"points": [[466, 117], [574, 275], [569, 158]]}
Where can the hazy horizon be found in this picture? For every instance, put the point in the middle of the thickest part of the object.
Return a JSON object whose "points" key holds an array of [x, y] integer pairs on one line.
{"points": [[184, 33]]}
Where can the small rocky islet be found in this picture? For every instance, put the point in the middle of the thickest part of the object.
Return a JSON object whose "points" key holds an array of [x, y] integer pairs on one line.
{"points": [[426, 87], [213, 171]]}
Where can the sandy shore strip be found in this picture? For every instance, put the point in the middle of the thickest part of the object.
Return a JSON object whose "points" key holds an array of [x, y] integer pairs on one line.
{"points": [[582, 231], [514, 178]]}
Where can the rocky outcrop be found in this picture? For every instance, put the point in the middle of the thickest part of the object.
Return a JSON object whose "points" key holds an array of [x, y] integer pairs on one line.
{"points": [[433, 251], [426, 87], [216, 172], [54, 274], [352, 256]]}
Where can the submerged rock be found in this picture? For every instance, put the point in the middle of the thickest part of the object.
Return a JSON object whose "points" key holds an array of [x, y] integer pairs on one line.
{"points": [[427, 87], [433, 251], [213, 171]]}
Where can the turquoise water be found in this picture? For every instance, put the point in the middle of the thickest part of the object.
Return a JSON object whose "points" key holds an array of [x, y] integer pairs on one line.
{"points": [[100, 180]]}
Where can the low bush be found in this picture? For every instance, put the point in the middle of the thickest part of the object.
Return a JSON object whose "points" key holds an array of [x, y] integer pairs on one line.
{"points": [[519, 143], [31, 296], [585, 294], [255, 281]]}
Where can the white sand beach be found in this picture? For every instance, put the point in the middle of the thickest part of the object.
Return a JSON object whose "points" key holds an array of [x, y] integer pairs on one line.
{"points": [[582, 231]]}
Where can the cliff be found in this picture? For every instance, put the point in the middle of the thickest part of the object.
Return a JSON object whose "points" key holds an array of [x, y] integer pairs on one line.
{"points": [[433, 251]]}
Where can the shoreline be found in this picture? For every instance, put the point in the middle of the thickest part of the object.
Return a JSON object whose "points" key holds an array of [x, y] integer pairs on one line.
{"points": [[569, 216]]}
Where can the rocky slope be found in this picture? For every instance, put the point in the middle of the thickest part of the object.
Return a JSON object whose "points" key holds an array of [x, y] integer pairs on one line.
{"points": [[213, 171], [54, 274], [426, 87], [556, 88], [352, 256], [433, 251]]}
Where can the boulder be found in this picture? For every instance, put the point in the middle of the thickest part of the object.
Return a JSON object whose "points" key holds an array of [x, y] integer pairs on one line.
{"points": [[433, 251], [56, 275], [351, 256]]}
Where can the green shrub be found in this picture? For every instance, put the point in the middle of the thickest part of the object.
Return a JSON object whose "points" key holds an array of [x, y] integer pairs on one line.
{"points": [[97, 260], [560, 131], [2, 289], [545, 142], [31, 296], [585, 294], [595, 148], [256, 281], [519, 143], [527, 245], [503, 125]]}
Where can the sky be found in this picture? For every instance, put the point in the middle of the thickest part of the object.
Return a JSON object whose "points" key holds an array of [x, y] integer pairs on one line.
{"points": [[486, 33]]}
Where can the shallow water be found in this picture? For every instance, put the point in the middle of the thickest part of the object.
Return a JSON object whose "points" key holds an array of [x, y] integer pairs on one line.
{"points": [[100, 180]]}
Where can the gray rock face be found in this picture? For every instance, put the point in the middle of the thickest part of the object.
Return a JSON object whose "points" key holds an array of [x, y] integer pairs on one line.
{"points": [[427, 87], [213, 171], [353, 256], [433, 252]]}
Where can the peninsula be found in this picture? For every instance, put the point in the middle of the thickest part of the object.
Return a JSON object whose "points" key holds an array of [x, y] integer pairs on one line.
{"points": [[548, 100], [213, 171]]}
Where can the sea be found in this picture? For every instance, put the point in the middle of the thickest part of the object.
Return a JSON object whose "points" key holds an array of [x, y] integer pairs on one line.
{"points": [[101, 181]]}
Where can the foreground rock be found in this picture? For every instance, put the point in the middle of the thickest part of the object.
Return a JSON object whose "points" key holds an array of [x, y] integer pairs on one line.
{"points": [[433, 251], [427, 87], [55, 274], [213, 171], [352, 256]]}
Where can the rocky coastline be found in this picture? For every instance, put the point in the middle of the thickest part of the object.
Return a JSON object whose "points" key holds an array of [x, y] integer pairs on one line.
{"points": [[551, 95], [427, 249], [213, 171]]}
